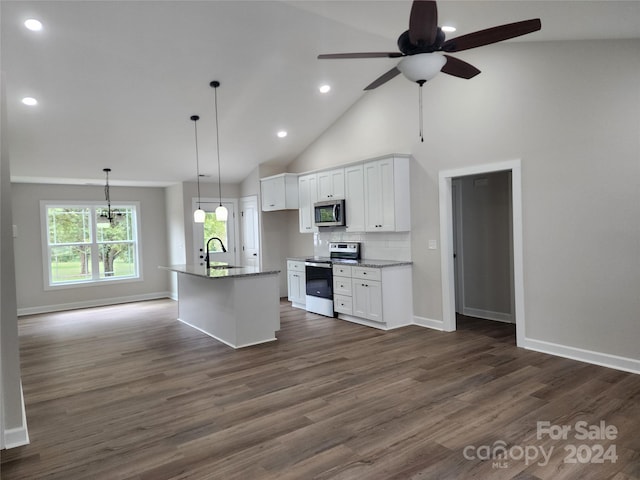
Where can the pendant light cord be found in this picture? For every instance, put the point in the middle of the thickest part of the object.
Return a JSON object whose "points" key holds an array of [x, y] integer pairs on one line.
{"points": [[195, 119], [420, 113], [215, 91]]}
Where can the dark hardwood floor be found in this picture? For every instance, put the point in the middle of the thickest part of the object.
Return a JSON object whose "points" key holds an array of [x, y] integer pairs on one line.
{"points": [[128, 392]]}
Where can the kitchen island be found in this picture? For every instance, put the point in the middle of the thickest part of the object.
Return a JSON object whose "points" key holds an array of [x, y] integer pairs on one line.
{"points": [[239, 306]]}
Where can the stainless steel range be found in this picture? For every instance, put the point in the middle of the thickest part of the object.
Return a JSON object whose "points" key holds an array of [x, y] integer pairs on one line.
{"points": [[319, 276]]}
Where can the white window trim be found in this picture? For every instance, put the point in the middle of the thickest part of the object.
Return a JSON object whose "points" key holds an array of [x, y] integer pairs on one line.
{"points": [[46, 277]]}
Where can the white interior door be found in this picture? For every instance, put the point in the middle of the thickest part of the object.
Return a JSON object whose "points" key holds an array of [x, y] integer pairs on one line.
{"points": [[249, 232], [212, 227]]}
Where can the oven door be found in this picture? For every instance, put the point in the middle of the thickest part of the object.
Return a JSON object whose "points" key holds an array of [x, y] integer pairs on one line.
{"points": [[319, 280]]}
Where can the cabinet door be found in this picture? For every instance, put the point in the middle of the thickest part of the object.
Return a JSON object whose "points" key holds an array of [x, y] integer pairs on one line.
{"points": [[374, 305], [296, 287], [379, 196], [307, 188], [272, 194], [372, 199], [387, 197], [331, 184], [354, 198], [360, 298], [367, 299]]}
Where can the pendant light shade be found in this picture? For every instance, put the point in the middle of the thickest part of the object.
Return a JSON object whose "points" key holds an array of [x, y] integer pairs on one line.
{"points": [[221, 211], [198, 215]]}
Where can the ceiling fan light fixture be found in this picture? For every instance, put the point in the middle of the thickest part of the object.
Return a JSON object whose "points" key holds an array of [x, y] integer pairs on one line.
{"points": [[421, 67], [448, 29]]}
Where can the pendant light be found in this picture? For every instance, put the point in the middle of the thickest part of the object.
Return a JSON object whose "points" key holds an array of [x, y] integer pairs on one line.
{"points": [[110, 217], [221, 211], [198, 215]]}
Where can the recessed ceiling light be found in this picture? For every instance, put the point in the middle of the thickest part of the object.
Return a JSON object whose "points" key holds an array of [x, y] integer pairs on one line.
{"points": [[448, 29], [282, 133], [29, 101], [33, 24], [324, 88]]}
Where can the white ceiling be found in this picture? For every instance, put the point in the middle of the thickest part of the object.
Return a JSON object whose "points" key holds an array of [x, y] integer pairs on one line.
{"points": [[118, 80]]}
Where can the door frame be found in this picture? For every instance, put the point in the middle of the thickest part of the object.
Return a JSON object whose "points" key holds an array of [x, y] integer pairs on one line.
{"points": [[207, 201], [447, 248], [242, 201]]}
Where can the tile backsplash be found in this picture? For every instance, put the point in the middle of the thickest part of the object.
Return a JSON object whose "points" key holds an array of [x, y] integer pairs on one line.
{"points": [[380, 246]]}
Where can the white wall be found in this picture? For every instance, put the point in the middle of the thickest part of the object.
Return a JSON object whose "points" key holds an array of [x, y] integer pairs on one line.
{"points": [[30, 281], [175, 232], [13, 426], [571, 112]]}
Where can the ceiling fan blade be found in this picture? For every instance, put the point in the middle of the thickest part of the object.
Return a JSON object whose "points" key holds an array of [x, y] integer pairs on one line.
{"points": [[491, 35], [361, 55], [423, 22], [459, 68], [384, 78]]}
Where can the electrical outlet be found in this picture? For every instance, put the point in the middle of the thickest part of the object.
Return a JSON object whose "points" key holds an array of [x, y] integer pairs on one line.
{"points": [[433, 244]]}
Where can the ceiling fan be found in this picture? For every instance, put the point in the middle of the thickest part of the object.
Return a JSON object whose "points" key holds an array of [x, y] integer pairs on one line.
{"points": [[420, 46]]}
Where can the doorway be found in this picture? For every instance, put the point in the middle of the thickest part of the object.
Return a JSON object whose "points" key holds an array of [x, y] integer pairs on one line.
{"points": [[482, 240], [249, 232], [212, 227], [449, 227]]}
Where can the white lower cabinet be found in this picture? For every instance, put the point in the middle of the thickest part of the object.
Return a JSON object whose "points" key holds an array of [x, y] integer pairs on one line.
{"points": [[377, 297], [367, 299], [296, 283]]}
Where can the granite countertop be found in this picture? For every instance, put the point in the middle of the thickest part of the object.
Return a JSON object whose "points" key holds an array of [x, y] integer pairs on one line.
{"points": [[363, 262], [218, 270]]}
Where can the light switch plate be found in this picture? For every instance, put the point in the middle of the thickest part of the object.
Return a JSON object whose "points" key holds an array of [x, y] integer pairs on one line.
{"points": [[15, 231], [433, 244]]}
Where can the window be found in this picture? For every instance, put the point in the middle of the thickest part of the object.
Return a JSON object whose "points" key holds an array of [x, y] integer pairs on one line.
{"points": [[83, 246]]}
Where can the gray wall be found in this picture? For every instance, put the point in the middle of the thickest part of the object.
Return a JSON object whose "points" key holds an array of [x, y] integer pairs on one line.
{"points": [[570, 111], [30, 281]]}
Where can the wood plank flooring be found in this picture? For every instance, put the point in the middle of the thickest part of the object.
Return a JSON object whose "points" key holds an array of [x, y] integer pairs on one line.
{"points": [[128, 392]]}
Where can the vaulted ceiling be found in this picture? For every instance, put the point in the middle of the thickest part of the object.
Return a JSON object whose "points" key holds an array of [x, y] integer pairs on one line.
{"points": [[117, 81]]}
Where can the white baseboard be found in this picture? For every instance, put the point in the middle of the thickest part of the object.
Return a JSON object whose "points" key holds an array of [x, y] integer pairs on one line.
{"points": [[428, 323], [488, 315], [19, 436], [98, 302], [597, 358]]}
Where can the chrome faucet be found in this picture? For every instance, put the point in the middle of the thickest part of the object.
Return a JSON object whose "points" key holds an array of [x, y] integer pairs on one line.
{"points": [[206, 258]]}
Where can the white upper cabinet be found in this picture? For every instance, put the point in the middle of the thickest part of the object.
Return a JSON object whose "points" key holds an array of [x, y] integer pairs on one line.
{"points": [[331, 184], [279, 192], [308, 195], [354, 198], [386, 195]]}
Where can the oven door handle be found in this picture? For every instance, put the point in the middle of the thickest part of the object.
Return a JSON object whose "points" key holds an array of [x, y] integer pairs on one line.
{"points": [[320, 265]]}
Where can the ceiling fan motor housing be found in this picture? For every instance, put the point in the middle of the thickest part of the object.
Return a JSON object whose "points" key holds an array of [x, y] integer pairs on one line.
{"points": [[408, 48]]}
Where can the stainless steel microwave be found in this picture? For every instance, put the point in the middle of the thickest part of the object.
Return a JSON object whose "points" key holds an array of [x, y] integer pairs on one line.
{"points": [[329, 213]]}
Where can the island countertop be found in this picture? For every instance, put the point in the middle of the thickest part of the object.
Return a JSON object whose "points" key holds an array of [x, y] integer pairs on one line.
{"points": [[218, 270]]}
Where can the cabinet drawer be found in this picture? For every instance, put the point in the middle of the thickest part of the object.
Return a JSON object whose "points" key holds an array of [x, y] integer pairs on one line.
{"points": [[295, 265], [342, 304], [367, 273], [342, 286], [342, 270]]}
